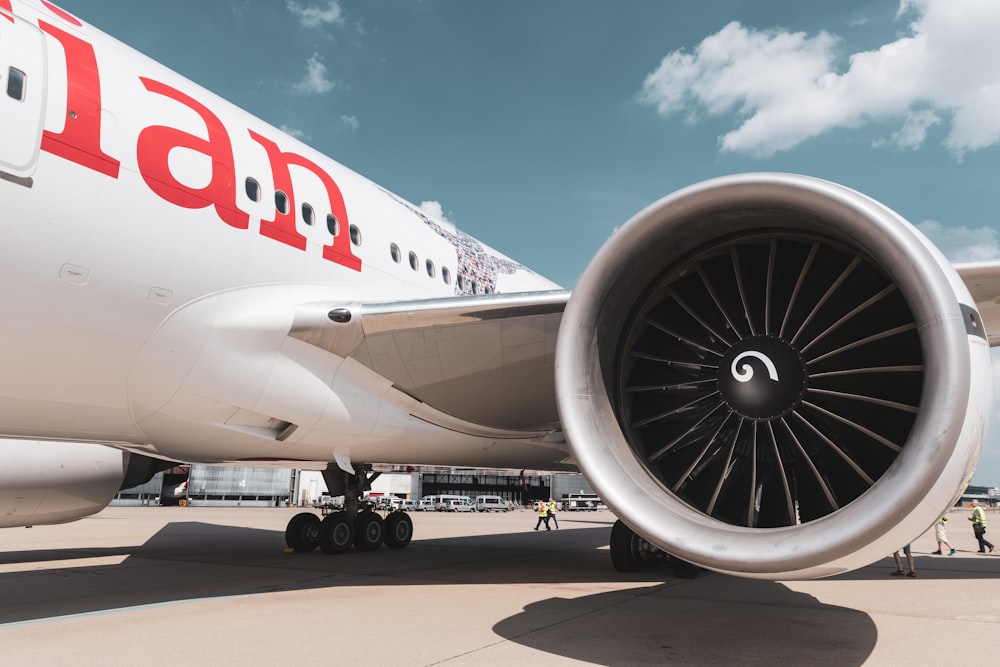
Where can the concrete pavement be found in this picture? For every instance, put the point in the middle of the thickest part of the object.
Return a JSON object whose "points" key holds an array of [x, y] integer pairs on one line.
{"points": [[164, 586]]}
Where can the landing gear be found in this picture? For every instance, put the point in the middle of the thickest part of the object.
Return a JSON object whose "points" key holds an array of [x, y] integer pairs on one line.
{"points": [[336, 532], [630, 553], [369, 531], [398, 530], [361, 527], [302, 533]]}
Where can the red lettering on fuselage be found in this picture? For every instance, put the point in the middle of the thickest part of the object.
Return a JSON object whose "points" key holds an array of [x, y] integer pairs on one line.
{"points": [[80, 139], [282, 228], [5, 4], [80, 143], [153, 149]]}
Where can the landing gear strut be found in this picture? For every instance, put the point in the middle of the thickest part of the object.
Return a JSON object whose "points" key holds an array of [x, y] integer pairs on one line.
{"points": [[365, 529]]}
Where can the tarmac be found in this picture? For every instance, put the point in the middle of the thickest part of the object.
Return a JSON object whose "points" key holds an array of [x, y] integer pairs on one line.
{"points": [[213, 586]]}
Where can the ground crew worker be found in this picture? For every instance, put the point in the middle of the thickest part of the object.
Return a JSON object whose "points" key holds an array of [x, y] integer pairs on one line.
{"points": [[978, 519], [942, 537], [552, 511], [543, 515]]}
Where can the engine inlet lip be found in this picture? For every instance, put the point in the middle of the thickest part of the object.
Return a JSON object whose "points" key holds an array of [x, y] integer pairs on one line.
{"points": [[860, 532]]}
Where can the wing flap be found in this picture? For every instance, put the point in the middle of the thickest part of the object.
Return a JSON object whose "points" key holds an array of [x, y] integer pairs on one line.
{"points": [[489, 360]]}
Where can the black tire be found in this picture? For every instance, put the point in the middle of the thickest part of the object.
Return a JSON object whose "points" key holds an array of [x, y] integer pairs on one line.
{"points": [[302, 533], [369, 531], [625, 554], [336, 533], [398, 530]]}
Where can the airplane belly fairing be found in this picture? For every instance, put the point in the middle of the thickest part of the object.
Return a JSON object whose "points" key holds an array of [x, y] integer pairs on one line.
{"points": [[232, 377]]}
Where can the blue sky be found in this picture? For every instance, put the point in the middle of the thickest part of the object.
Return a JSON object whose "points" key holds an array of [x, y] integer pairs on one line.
{"points": [[541, 126]]}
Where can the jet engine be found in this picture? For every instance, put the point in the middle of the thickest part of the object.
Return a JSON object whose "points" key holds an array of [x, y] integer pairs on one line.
{"points": [[773, 376], [57, 482]]}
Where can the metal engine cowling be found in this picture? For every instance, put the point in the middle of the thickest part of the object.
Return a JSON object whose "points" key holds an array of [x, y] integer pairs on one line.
{"points": [[47, 482], [773, 376]]}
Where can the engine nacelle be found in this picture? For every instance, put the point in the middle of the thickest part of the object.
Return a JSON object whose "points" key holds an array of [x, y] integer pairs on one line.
{"points": [[773, 376], [56, 482]]}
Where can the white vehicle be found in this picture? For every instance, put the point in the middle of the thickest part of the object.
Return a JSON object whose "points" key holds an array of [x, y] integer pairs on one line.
{"points": [[443, 503], [461, 504], [580, 501], [387, 502], [491, 504], [427, 504], [188, 283], [408, 505]]}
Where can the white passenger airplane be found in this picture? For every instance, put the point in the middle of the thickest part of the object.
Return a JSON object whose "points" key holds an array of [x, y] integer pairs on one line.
{"points": [[767, 374]]}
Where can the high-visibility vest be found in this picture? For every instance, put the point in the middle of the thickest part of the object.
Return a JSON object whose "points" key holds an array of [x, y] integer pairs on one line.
{"points": [[543, 509], [552, 508], [978, 517]]}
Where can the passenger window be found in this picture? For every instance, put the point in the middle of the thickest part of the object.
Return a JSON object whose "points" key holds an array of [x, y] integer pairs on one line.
{"points": [[355, 235], [15, 84], [333, 225], [397, 256], [461, 283], [307, 214], [253, 189], [430, 268], [413, 261], [445, 275], [281, 202]]}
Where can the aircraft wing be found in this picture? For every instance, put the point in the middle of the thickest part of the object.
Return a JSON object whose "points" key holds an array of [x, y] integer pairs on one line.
{"points": [[983, 281], [488, 360]]}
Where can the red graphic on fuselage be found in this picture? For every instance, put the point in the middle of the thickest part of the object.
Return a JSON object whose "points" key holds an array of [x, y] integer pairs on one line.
{"points": [[79, 141]]}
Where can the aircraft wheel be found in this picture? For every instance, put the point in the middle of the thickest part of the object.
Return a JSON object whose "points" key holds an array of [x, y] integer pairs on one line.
{"points": [[629, 552], [369, 531], [398, 530], [336, 533], [302, 532]]}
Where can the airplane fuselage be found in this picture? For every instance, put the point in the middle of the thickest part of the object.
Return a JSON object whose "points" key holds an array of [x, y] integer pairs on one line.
{"points": [[133, 198]]}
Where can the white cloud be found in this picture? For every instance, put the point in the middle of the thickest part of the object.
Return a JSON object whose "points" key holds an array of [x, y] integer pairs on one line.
{"points": [[914, 130], [784, 86], [433, 209], [351, 122], [296, 132], [315, 81], [316, 16], [963, 244]]}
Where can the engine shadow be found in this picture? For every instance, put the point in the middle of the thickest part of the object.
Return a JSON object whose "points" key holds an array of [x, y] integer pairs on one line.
{"points": [[716, 620]]}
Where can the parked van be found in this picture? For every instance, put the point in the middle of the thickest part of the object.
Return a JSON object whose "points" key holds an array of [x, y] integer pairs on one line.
{"points": [[459, 504], [490, 504], [408, 505], [427, 504], [387, 503], [443, 503]]}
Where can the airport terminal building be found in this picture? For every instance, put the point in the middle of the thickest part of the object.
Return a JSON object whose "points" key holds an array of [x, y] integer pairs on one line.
{"points": [[203, 485]]}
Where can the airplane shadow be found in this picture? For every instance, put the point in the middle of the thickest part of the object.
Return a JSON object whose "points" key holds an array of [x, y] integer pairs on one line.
{"points": [[682, 619]]}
